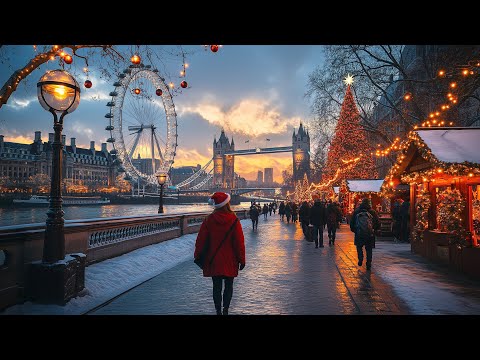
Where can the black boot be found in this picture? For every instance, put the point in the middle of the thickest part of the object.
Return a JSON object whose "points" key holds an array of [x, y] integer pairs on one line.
{"points": [[219, 311], [225, 311]]}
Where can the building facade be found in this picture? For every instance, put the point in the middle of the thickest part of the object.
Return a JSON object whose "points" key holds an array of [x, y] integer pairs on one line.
{"points": [[260, 177], [421, 64], [268, 176], [90, 167], [177, 175], [301, 154]]}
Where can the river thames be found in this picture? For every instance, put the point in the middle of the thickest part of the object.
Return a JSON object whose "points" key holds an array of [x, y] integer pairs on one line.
{"points": [[30, 215]]}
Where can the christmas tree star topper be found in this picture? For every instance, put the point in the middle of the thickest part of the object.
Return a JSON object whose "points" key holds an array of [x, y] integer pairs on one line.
{"points": [[348, 80]]}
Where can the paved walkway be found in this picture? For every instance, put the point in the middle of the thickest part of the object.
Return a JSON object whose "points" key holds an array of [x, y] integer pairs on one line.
{"points": [[287, 275]]}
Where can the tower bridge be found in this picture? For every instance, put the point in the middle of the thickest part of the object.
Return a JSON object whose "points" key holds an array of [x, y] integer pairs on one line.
{"points": [[222, 175]]}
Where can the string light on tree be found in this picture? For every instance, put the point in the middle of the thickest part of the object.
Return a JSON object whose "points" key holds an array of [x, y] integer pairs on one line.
{"points": [[349, 141]]}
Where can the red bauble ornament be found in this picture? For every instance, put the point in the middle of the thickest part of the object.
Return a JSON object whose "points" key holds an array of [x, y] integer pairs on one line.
{"points": [[87, 84], [159, 92], [184, 84], [137, 91], [214, 48], [68, 59], [135, 59]]}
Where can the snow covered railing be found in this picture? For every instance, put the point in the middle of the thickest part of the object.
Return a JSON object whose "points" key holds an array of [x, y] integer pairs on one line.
{"points": [[99, 239]]}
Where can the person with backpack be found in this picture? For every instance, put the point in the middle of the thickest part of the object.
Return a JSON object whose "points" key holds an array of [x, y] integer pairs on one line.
{"points": [[364, 223], [334, 216]]}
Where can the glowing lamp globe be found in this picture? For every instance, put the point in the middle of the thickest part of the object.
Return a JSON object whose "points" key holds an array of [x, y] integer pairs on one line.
{"points": [[214, 48], [137, 91], [184, 84], [58, 91], [162, 178], [87, 84], [159, 92], [135, 59]]}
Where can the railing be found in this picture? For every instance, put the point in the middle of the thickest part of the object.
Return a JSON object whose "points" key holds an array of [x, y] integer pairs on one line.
{"points": [[99, 239]]}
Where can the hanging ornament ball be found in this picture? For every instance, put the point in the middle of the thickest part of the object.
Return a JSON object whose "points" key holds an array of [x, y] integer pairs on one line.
{"points": [[68, 59], [159, 92], [214, 48], [135, 59], [137, 91], [88, 84], [184, 84]]}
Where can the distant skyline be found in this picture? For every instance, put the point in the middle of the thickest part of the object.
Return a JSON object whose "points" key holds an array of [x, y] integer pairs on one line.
{"points": [[253, 92]]}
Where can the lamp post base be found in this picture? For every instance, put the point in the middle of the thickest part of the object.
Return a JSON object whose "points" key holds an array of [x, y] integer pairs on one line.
{"points": [[58, 282]]}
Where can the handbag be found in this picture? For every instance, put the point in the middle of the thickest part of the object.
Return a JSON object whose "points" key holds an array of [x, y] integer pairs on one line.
{"points": [[200, 261]]}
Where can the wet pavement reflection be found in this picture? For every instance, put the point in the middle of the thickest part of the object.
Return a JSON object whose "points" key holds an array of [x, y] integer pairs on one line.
{"points": [[286, 275]]}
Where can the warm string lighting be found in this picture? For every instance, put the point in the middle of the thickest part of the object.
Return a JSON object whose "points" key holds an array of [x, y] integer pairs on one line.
{"points": [[422, 205], [349, 141], [438, 167], [434, 118]]}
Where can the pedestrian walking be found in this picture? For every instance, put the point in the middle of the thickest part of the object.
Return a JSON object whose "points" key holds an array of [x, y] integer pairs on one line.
{"points": [[318, 220], [288, 211], [334, 216], [270, 209], [304, 216], [221, 234], [294, 212], [254, 214], [281, 210], [265, 211], [364, 223]]}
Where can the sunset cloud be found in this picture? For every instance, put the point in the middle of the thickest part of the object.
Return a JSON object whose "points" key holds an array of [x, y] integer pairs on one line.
{"points": [[19, 139], [250, 117]]}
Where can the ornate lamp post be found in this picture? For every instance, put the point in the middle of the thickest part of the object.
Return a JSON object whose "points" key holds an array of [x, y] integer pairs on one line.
{"points": [[162, 178], [54, 280], [58, 93]]}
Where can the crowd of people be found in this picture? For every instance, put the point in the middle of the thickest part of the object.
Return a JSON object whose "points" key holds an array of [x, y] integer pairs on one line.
{"points": [[223, 258]]}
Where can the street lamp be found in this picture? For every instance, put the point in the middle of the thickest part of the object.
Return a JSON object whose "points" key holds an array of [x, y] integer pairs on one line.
{"points": [[58, 92], [162, 178], [58, 277]]}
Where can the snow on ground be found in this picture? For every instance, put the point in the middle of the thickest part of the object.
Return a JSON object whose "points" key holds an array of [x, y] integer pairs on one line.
{"points": [[425, 291], [110, 278]]}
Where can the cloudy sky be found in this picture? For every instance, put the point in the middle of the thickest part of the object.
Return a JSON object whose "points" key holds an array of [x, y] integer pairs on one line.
{"points": [[253, 92]]}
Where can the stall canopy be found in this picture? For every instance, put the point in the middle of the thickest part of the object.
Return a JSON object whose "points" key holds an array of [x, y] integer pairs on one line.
{"points": [[364, 185], [453, 145]]}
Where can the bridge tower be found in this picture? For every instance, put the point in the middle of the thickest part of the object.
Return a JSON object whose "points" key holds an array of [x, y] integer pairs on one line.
{"points": [[223, 165], [301, 153]]}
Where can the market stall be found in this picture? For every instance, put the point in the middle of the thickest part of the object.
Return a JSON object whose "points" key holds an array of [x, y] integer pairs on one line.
{"points": [[442, 167]]}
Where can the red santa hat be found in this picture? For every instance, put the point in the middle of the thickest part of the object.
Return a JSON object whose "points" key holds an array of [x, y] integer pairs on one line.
{"points": [[219, 199]]}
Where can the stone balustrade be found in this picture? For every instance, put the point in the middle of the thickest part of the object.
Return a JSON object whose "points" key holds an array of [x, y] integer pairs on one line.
{"points": [[99, 239]]}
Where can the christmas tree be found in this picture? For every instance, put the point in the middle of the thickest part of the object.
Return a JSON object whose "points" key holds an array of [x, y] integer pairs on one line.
{"points": [[349, 142]]}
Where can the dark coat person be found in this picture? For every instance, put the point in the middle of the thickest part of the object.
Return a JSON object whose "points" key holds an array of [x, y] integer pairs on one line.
{"points": [[254, 214], [226, 249], [364, 223], [334, 216], [318, 219]]}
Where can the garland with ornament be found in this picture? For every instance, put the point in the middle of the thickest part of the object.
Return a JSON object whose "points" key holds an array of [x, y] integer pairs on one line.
{"points": [[458, 169], [450, 207], [422, 205], [476, 213]]}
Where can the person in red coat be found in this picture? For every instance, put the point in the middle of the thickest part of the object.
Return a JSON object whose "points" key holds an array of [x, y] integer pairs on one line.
{"points": [[226, 249]]}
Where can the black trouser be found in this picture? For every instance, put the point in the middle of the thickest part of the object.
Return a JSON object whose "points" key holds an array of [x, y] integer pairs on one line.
{"points": [[217, 291], [318, 235], [255, 223], [332, 230], [305, 229], [368, 250]]}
